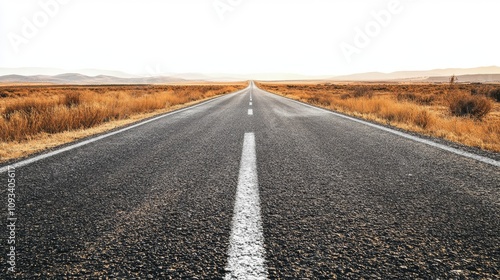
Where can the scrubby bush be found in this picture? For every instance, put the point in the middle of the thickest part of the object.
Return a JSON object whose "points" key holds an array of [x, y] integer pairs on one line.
{"points": [[488, 91], [345, 96], [424, 119], [72, 99], [424, 99], [476, 106], [495, 94], [30, 106], [361, 91]]}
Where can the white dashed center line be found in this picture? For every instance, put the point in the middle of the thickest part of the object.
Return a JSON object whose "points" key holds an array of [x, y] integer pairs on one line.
{"points": [[250, 112], [246, 249], [250, 103]]}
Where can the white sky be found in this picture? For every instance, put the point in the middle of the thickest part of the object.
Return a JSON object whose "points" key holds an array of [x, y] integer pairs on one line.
{"points": [[256, 36]]}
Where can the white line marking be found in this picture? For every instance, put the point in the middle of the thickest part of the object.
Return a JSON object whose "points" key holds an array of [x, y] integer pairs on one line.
{"points": [[411, 137], [250, 112], [246, 248], [83, 143], [250, 103]]}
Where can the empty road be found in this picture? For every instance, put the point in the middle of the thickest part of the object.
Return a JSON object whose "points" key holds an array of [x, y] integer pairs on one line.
{"points": [[252, 186]]}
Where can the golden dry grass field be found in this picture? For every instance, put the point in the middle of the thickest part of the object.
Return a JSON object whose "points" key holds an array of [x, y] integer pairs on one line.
{"points": [[37, 117], [464, 113]]}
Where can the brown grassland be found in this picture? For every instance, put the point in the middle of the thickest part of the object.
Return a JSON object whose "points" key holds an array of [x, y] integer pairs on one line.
{"points": [[37, 117], [464, 113]]}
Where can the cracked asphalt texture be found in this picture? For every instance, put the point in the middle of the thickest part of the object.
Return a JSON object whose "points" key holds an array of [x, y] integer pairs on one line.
{"points": [[339, 200]]}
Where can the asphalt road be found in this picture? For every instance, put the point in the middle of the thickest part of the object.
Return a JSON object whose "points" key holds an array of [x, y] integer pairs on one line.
{"points": [[282, 191]]}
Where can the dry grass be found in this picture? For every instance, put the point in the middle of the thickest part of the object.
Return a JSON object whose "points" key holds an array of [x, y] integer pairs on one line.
{"points": [[423, 108], [34, 118]]}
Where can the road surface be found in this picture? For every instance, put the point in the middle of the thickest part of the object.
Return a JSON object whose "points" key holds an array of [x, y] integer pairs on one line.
{"points": [[254, 185]]}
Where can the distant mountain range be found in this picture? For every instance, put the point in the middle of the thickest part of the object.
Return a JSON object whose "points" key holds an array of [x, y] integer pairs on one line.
{"points": [[75, 78], [489, 74], [41, 71], [479, 74], [477, 78]]}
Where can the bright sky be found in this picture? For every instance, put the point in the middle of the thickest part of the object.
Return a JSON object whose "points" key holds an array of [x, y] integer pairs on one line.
{"points": [[310, 37]]}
